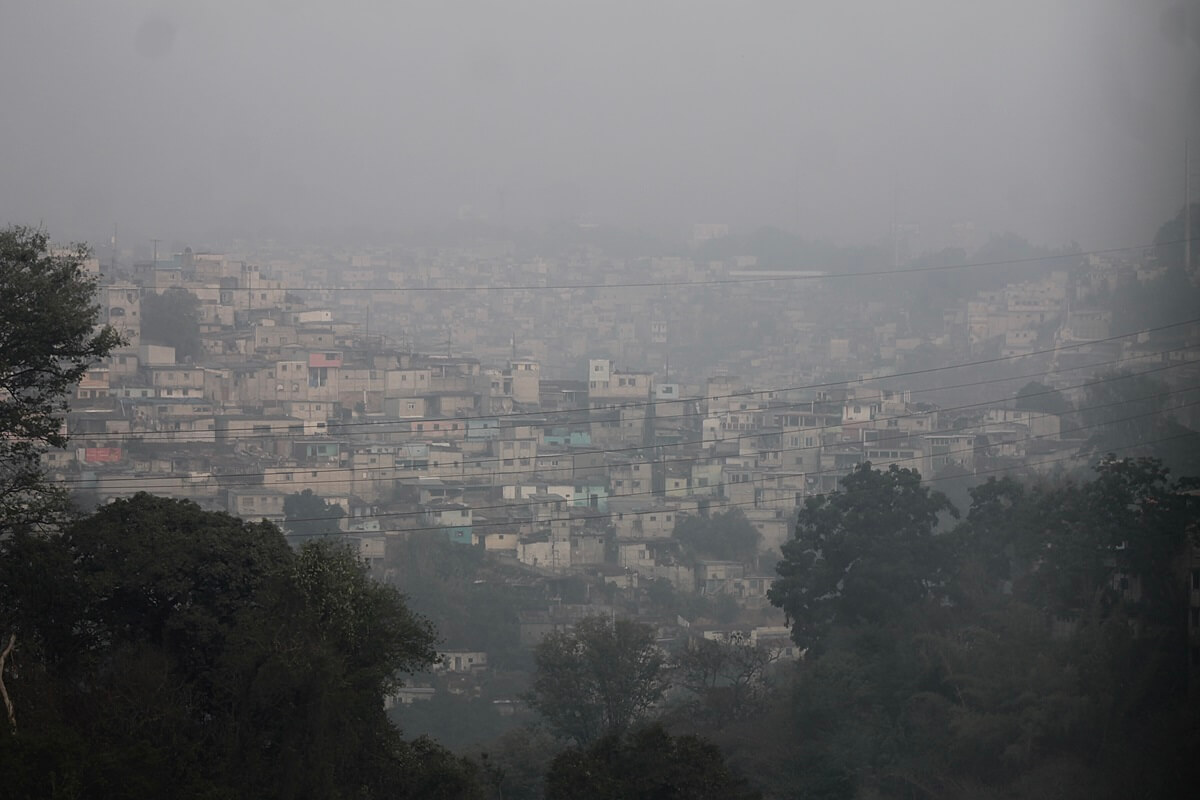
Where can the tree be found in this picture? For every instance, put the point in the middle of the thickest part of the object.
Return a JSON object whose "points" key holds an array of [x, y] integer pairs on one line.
{"points": [[173, 318], [167, 651], [307, 515], [597, 679], [724, 681], [1123, 411], [1169, 245], [863, 554], [1039, 397], [726, 537], [646, 764], [1141, 517], [48, 340], [518, 761]]}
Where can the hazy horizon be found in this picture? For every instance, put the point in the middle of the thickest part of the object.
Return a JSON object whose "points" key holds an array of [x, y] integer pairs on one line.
{"points": [[1059, 121]]}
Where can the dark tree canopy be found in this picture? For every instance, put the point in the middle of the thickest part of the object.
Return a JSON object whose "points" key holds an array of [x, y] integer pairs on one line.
{"points": [[861, 554], [165, 651], [307, 515], [1035, 396], [723, 681], [173, 318], [646, 764], [726, 537], [1052, 649], [48, 340], [1169, 241], [597, 679], [1124, 411]]}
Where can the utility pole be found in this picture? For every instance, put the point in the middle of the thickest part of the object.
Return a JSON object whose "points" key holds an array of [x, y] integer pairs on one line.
{"points": [[1187, 208], [1187, 185]]}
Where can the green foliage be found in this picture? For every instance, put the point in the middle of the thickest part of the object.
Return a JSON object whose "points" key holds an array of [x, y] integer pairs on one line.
{"points": [[863, 554], [167, 651], [1124, 410], [725, 537], [474, 602], [48, 340], [1129, 413], [518, 762], [460, 722], [1169, 246], [1054, 662], [307, 516], [645, 764], [722, 681], [597, 679], [1168, 297], [1039, 397], [172, 318]]}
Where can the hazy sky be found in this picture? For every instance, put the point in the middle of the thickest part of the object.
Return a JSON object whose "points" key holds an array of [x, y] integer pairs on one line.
{"points": [[1058, 119]]}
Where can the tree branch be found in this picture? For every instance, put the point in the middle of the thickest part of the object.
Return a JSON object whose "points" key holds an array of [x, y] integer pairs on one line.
{"points": [[8, 705]]}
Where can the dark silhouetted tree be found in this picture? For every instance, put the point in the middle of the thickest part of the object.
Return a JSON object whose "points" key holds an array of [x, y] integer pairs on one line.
{"points": [[645, 764], [862, 554], [597, 679], [1035, 396], [48, 340], [173, 319], [162, 650], [726, 537], [307, 515]]}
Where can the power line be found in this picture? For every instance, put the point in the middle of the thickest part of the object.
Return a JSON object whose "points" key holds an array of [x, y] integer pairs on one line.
{"points": [[800, 276], [475, 463], [818, 473], [746, 393], [748, 503], [167, 436], [288, 435]]}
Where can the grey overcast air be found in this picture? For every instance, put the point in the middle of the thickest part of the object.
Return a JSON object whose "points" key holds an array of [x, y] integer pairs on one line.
{"points": [[600, 399], [1061, 120]]}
